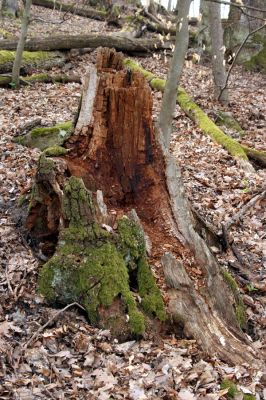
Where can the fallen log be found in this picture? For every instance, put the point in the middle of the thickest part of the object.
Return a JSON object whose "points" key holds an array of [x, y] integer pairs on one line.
{"points": [[68, 42], [40, 59], [99, 259], [194, 112], [5, 80], [83, 11]]}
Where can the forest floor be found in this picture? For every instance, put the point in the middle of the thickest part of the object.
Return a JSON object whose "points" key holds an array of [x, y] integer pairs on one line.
{"points": [[69, 359]]}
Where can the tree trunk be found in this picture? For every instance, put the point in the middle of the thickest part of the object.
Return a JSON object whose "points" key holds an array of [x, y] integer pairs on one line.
{"points": [[92, 41], [84, 11], [175, 70], [100, 258], [42, 78], [218, 50], [21, 43], [9, 8]]}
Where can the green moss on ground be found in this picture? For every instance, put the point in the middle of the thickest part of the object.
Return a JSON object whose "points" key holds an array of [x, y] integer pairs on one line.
{"points": [[5, 34], [240, 309], [55, 151], [233, 391], [47, 137], [93, 266]]}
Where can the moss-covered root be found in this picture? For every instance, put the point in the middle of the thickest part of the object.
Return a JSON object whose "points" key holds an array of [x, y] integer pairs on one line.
{"points": [[95, 267], [194, 112], [240, 308], [47, 138]]}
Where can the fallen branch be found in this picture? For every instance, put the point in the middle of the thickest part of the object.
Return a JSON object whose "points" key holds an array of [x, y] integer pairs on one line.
{"points": [[5, 80], [236, 218], [35, 335], [67, 42], [84, 11]]}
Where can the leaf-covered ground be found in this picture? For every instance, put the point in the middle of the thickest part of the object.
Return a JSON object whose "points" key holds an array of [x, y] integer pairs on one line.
{"points": [[68, 359]]}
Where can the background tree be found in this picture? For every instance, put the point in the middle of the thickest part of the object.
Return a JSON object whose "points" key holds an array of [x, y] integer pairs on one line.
{"points": [[175, 70], [21, 43], [218, 51]]}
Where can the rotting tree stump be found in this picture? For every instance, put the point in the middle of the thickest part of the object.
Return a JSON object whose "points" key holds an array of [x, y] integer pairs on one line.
{"points": [[99, 257]]}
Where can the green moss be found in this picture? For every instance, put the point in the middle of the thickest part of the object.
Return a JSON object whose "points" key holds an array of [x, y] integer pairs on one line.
{"points": [[240, 309], [28, 56], [131, 239], [93, 266], [233, 391], [47, 137], [158, 84], [152, 301], [227, 384], [37, 78], [249, 397], [258, 61], [55, 151], [135, 67], [45, 165], [22, 200], [208, 127], [5, 34]]}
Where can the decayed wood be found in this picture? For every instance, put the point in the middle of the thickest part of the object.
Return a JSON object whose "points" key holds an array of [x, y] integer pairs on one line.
{"points": [[115, 149], [84, 11], [68, 42]]}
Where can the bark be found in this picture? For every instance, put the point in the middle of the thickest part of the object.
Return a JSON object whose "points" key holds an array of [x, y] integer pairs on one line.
{"points": [[218, 50], [114, 149], [31, 60], [84, 11], [175, 70], [84, 41], [21, 43], [9, 8]]}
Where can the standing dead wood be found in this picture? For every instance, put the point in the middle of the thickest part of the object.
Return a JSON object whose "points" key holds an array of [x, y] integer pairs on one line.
{"points": [[114, 148]]}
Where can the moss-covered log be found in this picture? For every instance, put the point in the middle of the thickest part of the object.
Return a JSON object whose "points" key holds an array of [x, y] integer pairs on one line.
{"points": [[46, 137], [30, 60], [100, 258], [68, 42], [5, 80], [73, 8], [193, 111]]}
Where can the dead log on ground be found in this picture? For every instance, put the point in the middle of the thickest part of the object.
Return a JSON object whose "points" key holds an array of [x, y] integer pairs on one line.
{"points": [[5, 80], [68, 42], [83, 11], [100, 258], [31, 60]]}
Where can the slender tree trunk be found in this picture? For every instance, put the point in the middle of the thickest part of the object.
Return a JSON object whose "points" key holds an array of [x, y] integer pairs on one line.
{"points": [[218, 50], [9, 8], [174, 74], [169, 6], [21, 43]]}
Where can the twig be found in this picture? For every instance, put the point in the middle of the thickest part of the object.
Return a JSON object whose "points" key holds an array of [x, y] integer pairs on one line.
{"points": [[34, 336], [238, 5], [235, 58], [8, 280], [244, 209]]}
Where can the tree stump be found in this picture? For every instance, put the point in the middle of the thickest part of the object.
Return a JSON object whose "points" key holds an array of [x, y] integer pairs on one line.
{"points": [[99, 257]]}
